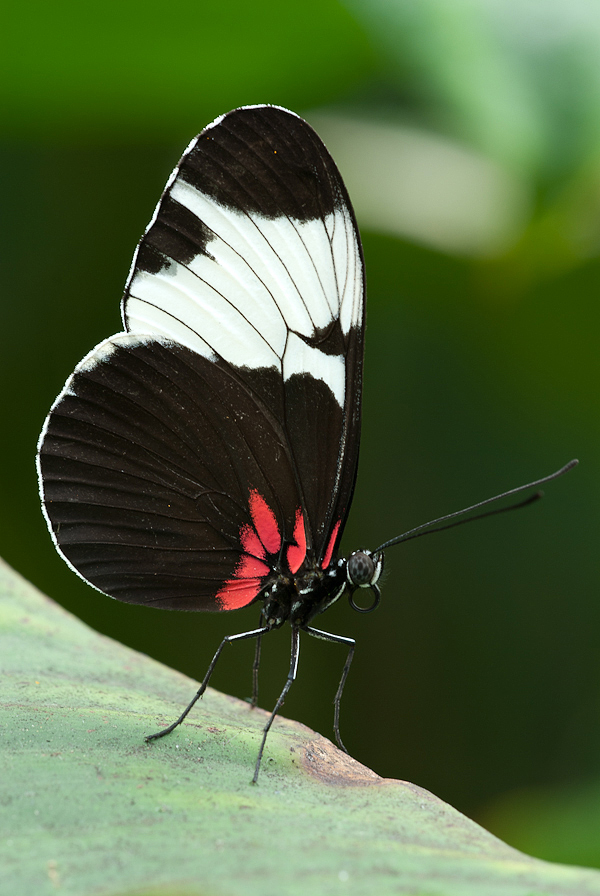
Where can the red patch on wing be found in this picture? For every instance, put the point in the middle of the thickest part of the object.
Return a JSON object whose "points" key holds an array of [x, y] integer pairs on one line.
{"points": [[327, 558], [251, 569], [251, 543], [238, 593], [265, 523], [246, 584], [297, 552]]}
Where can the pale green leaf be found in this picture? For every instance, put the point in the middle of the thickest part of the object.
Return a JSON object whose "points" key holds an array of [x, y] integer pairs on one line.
{"points": [[87, 806]]}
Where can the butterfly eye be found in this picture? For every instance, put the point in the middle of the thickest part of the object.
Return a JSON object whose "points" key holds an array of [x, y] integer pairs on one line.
{"points": [[360, 569], [363, 570]]}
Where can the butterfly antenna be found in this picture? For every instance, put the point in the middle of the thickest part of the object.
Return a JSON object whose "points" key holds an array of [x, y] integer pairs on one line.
{"points": [[425, 529]]}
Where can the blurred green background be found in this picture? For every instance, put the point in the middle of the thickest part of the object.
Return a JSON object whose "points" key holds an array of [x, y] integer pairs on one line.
{"points": [[468, 132]]}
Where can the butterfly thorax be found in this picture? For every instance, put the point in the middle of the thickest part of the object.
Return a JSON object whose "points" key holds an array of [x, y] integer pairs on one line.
{"points": [[299, 598]]}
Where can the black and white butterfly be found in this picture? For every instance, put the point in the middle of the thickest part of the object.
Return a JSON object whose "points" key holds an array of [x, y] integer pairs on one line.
{"points": [[205, 457]]}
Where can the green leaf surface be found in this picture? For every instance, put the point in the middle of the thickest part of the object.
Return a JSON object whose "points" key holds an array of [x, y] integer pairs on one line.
{"points": [[86, 806]]}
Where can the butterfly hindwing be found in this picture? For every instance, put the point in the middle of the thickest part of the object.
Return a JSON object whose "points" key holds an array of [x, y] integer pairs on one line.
{"points": [[216, 440]]}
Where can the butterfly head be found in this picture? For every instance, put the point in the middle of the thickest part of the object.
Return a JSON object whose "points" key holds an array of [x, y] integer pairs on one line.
{"points": [[363, 570]]}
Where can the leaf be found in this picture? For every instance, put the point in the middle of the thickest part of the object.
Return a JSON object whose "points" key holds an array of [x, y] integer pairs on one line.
{"points": [[87, 806]]}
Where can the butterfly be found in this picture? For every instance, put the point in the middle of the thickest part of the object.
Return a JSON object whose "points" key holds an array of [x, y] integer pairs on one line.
{"points": [[205, 458]]}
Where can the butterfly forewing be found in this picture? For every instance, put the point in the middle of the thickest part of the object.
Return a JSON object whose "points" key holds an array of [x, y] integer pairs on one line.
{"points": [[216, 441]]}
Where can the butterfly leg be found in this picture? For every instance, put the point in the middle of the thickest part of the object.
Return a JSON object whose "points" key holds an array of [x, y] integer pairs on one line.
{"points": [[255, 633], [282, 696], [351, 644], [255, 665]]}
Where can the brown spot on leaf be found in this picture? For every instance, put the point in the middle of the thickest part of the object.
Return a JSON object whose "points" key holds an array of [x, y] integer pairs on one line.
{"points": [[332, 766]]}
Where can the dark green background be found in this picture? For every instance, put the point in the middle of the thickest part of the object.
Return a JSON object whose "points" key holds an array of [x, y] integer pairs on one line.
{"points": [[479, 675]]}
